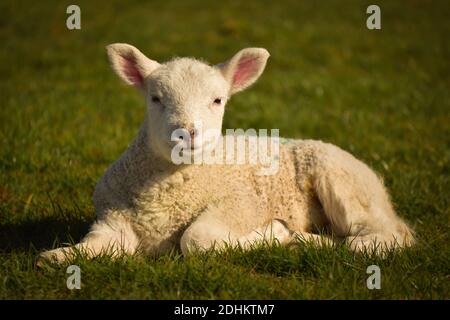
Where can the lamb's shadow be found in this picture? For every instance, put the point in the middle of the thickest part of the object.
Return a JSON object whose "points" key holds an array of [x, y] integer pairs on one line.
{"points": [[42, 233]]}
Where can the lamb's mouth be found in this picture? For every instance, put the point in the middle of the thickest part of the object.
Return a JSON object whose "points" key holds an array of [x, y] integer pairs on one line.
{"points": [[198, 149], [207, 145]]}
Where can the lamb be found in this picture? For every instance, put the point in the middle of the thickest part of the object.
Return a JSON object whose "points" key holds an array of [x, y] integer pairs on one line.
{"points": [[146, 203]]}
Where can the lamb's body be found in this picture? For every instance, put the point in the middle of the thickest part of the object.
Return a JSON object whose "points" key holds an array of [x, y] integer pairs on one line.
{"points": [[161, 203], [145, 202]]}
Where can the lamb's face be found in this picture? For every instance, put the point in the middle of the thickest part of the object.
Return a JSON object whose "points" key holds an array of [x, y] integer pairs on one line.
{"points": [[185, 97], [186, 100]]}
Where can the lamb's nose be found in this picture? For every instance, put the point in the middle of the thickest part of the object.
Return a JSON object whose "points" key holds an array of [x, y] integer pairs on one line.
{"points": [[186, 132], [193, 133]]}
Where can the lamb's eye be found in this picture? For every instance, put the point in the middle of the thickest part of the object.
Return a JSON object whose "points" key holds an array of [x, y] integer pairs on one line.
{"points": [[218, 101], [155, 99]]}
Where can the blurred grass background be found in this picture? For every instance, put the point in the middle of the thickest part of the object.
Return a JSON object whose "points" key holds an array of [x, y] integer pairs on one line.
{"points": [[382, 95]]}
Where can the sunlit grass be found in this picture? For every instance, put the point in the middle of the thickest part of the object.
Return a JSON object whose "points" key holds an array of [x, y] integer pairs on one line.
{"points": [[382, 95]]}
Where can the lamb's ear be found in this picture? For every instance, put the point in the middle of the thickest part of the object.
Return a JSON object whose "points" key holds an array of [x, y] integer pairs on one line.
{"points": [[244, 68], [131, 65]]}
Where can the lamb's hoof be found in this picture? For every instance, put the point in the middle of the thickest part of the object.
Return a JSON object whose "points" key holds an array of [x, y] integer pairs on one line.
{"points": [[51, 256], [372, 245], [279, 231], [42, 260]]}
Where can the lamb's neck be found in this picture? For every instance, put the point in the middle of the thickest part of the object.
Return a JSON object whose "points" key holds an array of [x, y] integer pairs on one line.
{"points": [[142, 151]]}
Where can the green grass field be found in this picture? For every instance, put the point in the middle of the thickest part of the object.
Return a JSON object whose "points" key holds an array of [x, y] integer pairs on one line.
{"points": [[382, 95]]}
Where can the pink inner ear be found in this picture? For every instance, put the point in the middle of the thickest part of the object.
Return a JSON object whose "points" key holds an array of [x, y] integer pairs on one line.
{"points": [[131, 72], [246, 68]]}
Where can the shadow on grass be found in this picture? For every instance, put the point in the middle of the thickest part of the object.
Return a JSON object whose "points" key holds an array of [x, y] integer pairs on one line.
{"points": [[42, 233]]}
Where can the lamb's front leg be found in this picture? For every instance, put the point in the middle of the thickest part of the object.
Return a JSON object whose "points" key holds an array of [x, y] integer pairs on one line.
{"points": [[112, 235], [202, 235], [231, 225]]}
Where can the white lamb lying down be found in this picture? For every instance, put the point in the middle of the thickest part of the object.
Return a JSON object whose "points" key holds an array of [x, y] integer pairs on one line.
{"points": [[146, 203]]}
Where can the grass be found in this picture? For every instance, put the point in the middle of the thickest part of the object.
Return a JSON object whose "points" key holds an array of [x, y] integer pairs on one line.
{"points": [[383, 95]]}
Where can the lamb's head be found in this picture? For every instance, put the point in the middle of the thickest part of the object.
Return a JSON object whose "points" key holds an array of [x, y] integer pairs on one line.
{"points": [[185, 94]]}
